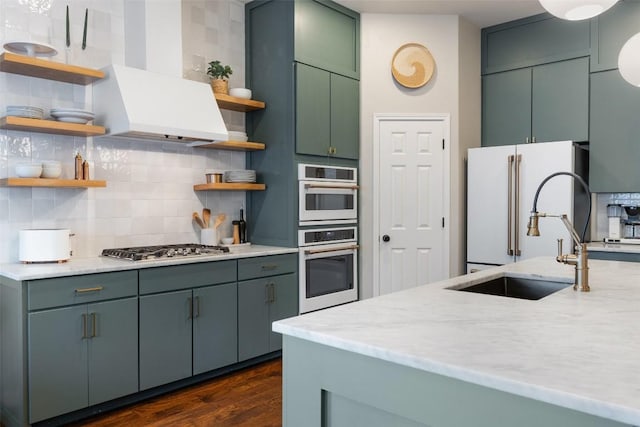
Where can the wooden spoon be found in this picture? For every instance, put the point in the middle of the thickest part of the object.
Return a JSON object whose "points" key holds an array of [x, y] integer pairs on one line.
{"points": [[206, 217], [219, 220], [197, 219]]}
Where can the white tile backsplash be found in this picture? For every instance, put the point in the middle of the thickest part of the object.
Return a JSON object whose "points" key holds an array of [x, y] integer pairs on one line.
{"points": [[149, 198]]}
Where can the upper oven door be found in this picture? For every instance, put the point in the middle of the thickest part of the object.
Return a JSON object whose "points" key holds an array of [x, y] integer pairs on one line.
{"points": [[327, 201]]}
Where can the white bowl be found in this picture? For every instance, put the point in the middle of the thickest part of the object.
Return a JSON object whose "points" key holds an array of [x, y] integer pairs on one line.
{"points": [[227, 240], [240, 92], [29, 170], [51, 164], [51, 171]]}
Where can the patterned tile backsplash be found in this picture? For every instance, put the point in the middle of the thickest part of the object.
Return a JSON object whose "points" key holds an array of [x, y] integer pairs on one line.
{"points": [[149, 196]]}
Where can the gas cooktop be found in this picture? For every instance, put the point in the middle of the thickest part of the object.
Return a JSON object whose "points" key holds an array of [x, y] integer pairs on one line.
{"points": [[140, 253]]}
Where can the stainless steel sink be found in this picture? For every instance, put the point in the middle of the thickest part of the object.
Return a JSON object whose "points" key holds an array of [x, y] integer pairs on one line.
{"points": [[515, 287]]}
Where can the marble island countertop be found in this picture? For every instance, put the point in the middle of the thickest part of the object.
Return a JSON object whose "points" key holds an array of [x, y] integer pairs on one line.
{"points": [[77, 266], [575, 350]]}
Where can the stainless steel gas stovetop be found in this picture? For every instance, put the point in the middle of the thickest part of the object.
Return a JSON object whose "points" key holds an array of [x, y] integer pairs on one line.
{"points": [[140, 253]]}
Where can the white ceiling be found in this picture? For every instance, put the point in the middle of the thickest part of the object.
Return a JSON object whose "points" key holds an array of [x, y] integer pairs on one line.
{"points": [[482, 13]]}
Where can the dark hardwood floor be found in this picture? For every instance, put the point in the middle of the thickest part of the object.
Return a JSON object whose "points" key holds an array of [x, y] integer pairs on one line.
{"points": [[251, 397]]}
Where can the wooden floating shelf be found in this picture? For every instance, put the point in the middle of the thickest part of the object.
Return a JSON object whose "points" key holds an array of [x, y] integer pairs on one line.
{"points": [[34, 67], [47, 182], [229, 186], [234, 145], [50, 126], [238, 104]]}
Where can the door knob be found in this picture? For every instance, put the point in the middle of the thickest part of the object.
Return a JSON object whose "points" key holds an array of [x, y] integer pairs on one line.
{"points": [[386, 238]]}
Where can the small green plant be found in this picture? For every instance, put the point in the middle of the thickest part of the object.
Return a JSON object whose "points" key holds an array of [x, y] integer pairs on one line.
{"points": [[219, 71]]}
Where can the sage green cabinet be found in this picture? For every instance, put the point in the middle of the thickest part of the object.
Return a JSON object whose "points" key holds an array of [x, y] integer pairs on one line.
{"points": [[327, 36], [187, 328], [327, 113], [544, 103], [270, 293], [614, 146], [611, 31], [83, 354]]}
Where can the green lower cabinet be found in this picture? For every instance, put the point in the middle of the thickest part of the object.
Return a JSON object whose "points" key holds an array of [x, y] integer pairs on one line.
{"points": [[614, 145], [81, 355], [261, 302], [327, 113], [186, 333]]}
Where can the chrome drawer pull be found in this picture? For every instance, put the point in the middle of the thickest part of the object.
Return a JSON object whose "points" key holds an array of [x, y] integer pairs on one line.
{"points": [[85, 290]]}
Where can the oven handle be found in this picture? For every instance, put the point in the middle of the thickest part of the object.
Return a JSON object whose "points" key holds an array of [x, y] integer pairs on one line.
{"points": [[339, 186], [320, 251]]}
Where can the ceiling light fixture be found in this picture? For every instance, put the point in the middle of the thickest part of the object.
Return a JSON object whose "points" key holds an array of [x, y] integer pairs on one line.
{"points": [[629, 61], [576, 10]]}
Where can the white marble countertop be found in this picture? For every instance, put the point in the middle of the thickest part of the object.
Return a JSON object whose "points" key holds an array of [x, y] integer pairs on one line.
{"points": [[613, 247], [76, 266], [576, 350]]}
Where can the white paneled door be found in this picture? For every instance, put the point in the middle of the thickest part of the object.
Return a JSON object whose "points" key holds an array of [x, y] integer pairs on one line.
{"points": [[411, 203]]}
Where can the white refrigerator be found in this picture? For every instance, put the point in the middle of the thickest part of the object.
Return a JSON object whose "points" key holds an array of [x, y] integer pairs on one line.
{"points": [[501, 185]]}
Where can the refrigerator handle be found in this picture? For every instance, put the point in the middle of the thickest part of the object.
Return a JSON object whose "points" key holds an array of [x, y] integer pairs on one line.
{"points": [[510, 160], [518, 252]]}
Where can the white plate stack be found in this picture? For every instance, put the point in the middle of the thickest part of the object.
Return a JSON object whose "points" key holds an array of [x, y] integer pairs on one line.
{"points": [[72, 115], [240, 176], [237, 136], [25, 111]]}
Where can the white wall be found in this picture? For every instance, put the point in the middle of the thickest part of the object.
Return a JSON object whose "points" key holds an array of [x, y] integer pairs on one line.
{"points": [[443, 35], [149, 196]]}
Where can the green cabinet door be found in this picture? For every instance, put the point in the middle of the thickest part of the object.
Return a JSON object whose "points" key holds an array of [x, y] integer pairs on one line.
{"points": [[215, 331], [614, 145], [560, 101], [327, 35], [284, 305], [345, 117], [612, 30], [253, 318], [313, 110], [506, 107], [165, 338], [113, 349], [57, 362]]}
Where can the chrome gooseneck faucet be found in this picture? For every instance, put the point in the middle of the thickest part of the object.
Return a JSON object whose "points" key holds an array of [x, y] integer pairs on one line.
{"points": [[579, 259]]}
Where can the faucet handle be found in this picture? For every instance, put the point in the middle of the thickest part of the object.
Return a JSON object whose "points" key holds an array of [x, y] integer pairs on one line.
{"points": [[559, 247]]}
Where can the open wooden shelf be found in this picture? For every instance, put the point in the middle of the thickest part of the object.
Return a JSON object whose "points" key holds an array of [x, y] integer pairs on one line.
{"points": [[50, 126], [229, 186], [47, 182], [238, 104], [233, 145], [34, 67]]}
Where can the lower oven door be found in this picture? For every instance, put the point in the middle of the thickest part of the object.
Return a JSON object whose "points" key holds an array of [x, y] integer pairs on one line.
{"points": [[328, 276]]}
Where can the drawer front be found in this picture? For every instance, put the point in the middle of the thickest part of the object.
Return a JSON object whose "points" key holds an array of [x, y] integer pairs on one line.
{"points": [[271, 265], [177, 277], [61, 291]]}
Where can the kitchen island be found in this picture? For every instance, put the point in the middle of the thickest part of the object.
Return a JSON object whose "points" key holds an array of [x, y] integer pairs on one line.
{"points": [[440, 357]]}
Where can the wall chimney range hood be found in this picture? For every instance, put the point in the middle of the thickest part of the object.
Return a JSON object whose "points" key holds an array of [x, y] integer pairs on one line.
{"points": [[136, 103]]}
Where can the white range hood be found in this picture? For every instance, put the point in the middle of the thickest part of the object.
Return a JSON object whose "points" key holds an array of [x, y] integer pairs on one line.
{"points": [[137, 103]]}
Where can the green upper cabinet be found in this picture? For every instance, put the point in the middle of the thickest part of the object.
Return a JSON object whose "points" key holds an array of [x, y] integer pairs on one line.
{"points": [[327, 113], [544, 103], [611, 30], [532, 41], [614, 148], [327, 36]]}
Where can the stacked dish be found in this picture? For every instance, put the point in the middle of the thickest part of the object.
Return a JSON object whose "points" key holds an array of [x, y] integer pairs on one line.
{"points": [[72, 115], [25, 111], [51, 169], [237, 136], [240, 176], [28, 170]]}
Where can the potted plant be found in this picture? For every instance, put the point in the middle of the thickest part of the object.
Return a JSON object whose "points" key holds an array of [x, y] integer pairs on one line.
{"points": [[219, 74]]}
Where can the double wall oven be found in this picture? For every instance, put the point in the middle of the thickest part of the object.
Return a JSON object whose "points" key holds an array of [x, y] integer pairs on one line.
{"points": [[327, 236]]}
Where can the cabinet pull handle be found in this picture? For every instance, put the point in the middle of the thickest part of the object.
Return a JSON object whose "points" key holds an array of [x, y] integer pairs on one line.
{"points": [[84, 326], [272, 289], [510, 159], [94, 325], [526, 140], [533, 140], [267, 294], [86, 290], [268, 267], [197, 309], [516, 217], [190, 304]]}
